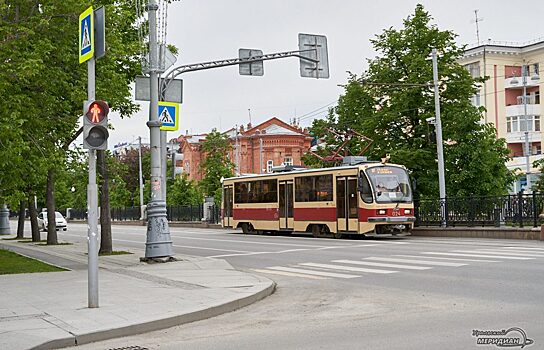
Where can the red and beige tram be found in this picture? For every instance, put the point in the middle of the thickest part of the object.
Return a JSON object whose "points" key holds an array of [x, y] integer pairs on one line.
{"points": [[368, 198]]}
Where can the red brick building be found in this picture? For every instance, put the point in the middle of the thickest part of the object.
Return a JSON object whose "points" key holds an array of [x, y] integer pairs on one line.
{"points": [[255, 149]]}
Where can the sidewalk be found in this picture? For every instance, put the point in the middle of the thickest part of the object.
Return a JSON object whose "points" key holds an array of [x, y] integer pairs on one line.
{"points": [[49, 310]]}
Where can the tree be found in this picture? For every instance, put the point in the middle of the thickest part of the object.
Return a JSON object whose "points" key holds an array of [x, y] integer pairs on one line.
{"points": [[381, 105], [44, 85], [216, 164], [183, 191]]}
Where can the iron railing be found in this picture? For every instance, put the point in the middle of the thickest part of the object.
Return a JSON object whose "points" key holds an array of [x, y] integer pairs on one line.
{"points": [[512, 210], [182, 213]]}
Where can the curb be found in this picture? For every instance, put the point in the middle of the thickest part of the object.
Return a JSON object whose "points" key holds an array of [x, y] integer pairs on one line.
{"points": [[160, 323]]}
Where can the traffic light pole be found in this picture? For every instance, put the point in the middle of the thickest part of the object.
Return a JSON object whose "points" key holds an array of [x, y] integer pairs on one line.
{"points": [[158, 242], [92, 202]]}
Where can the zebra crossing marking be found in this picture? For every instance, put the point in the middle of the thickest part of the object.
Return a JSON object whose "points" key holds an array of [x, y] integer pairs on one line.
{"points": [[369, 263], [312, 272], [528, 248], [411, 261], [347, 268], [512, 253], [290, 274], [454, 259], [480, 256]]}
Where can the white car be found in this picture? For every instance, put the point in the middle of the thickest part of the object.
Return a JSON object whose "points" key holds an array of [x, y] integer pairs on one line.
{"points": [[59, 220]]}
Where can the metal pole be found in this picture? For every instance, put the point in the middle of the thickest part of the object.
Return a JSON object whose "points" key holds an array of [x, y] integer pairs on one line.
{"points": [[92, 202], [526, 145], [158, 241], [439, 149], [164, 157], [140, 178], [237, 155]]}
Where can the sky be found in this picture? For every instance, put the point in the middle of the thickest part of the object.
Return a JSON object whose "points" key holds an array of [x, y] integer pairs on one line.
{"points": [[211, 30]]}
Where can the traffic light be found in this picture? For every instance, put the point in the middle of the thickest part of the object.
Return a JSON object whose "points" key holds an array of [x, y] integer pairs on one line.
{"points": [[95, 125]]}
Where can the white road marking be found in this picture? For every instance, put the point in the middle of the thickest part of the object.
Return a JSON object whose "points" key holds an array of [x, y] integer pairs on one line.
{"points": [[422, 262], [479, 256], [369, 263], [312, 272], [241, 241], [347, 268], [290, 274], [508, 252], [528, 248], [434, 257]]}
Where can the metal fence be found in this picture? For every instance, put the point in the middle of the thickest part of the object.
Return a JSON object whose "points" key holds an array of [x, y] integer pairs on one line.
{"points": [[512, 210], [182, 213]]}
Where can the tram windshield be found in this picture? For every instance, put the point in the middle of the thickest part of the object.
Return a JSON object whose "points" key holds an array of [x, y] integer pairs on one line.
{"points": [[390, 184]]}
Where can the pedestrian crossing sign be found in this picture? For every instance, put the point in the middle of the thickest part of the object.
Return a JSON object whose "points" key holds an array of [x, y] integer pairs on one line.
{"points": [[86, 35], [169, 115]]}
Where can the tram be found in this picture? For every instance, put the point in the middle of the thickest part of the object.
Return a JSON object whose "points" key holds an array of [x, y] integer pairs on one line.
{"points": [[359, 197]]}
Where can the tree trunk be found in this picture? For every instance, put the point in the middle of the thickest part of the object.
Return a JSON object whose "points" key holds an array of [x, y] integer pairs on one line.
{"points": [[33, 218], [106, 246], [50, 203], [21, 221]]}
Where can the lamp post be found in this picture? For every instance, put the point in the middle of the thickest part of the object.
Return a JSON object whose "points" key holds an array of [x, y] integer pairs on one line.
{"points": [[439, 146]]}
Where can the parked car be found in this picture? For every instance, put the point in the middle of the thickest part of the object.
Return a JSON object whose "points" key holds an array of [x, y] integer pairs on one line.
{"points": [[59, 220]]}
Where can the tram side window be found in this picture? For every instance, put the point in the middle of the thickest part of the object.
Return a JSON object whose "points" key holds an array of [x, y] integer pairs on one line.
{"points": [[261, 191], [313, 188]]}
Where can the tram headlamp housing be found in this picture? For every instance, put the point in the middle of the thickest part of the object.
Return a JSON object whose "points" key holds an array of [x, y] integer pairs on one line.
{"points": [[382, 211], [407, 211]]}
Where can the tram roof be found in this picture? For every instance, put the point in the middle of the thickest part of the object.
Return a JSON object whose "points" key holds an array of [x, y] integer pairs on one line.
{"points": [[305, 171]]}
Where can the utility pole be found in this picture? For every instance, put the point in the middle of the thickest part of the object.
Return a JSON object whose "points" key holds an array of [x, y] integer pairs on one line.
{"points": [[158, 240], [439, 144], [92, 201], [526, 147], [237, 154], [164, 157], [140, 178]]}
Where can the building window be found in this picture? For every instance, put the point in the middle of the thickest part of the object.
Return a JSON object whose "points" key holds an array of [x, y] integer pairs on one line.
{"points": [[535, 69], [475, 99], [515, 124], [269, 165], [288, 161], [473, 69]]}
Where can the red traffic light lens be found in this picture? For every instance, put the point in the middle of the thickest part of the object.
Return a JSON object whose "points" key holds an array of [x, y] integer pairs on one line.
{"points": [[97, 111]]}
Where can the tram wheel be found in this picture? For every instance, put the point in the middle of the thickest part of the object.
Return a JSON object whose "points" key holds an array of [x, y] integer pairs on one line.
{"points": [[338, 235], [248, 228], [320, 231]]}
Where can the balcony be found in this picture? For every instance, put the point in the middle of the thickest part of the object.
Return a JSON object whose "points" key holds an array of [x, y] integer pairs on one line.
{"points": [[519, 109], [518, 82], [519, 136], [521, 163]]}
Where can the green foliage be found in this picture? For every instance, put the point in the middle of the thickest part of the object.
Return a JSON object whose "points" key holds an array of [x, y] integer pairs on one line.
{"points": [[43, 86], [216, 165], [394, 116], [182, 191]]}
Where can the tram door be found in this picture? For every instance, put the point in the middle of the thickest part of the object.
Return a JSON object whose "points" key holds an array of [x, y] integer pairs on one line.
{"points": [[346, 204], [286, 205], [227, 206]]}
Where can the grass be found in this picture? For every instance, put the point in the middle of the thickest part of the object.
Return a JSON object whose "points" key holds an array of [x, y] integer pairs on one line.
{"points": [[11, 263], [115, 252]]}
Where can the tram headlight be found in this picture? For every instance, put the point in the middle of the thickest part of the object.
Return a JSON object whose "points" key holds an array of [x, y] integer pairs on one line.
{"points": [[382, 211], [407, 211]]}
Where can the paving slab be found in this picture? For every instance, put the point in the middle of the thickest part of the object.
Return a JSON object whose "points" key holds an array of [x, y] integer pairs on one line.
{"points": [[49, 310]]}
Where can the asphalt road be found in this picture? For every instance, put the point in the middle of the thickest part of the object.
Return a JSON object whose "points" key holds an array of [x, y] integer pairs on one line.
{"points": [[407, 293]]}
